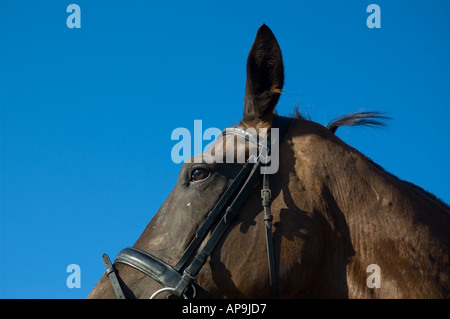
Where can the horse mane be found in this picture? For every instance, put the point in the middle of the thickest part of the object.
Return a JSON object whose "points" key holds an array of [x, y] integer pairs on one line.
{"points": [[372, 119]]}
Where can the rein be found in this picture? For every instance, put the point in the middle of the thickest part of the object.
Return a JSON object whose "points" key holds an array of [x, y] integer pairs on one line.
{"points": [[179, 279]]}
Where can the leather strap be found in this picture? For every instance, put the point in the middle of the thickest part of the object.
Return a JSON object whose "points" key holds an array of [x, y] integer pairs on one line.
{"points": [[281, 123], [149, 265], [266, 202], [110, 272]]}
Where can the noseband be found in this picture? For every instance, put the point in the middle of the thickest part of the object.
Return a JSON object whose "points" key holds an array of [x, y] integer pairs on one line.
{"points": [[179, 279]]}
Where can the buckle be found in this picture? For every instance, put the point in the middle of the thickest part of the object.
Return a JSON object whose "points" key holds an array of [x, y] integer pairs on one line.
{"points": [[266, 195], [185, 272], [265, 191]]}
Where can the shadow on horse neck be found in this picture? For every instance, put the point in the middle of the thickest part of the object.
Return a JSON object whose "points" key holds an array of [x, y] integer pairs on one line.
{"points": [[359, 215]]}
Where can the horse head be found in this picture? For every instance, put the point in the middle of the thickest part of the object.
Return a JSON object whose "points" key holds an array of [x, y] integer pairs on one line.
{"points": [[328, 215]]}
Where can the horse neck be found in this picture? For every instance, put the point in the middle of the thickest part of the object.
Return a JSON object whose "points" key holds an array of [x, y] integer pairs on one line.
{"points": [[377, 218]]}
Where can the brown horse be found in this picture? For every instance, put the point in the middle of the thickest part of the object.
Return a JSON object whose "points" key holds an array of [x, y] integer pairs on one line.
{"points": [[342, 226]]}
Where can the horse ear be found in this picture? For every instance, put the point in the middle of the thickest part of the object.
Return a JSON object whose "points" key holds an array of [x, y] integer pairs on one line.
{"points": [[265, 76]]}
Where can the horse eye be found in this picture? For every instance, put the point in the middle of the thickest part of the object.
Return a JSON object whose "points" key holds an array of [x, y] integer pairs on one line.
{"points": [[199, 174]]}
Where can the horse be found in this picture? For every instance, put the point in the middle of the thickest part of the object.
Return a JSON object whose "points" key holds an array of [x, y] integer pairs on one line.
{"points": [[339, 225]]}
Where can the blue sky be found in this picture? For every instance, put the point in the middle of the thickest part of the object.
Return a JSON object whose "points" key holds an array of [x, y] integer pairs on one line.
{"points": [[87, 114]]}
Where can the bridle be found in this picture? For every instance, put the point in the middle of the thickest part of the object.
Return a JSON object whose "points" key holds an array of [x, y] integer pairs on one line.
{"points": [[179, 279]]}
